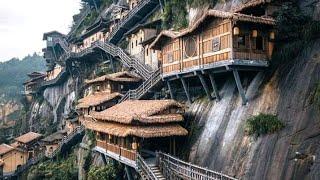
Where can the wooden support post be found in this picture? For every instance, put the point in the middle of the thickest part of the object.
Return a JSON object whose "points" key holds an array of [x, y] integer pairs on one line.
{"points": [[239, 86], [185, 89], [128, 172], [214, 87], [174, 146], [170, 89], [204, 84]]}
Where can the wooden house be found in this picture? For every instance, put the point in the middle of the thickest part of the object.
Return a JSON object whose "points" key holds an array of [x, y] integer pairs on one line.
{"points": [[264, 8], [35, 79], [105, 91], [95, 32], [217, 42], [29, 143], [135, 126], [133, 3], [71, 122], [11, 158], [52, 74], [54, 49], [51, 142], [139, 39]]}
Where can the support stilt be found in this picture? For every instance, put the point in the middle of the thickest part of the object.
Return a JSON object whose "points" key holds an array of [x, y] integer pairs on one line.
{"points": [[170, 89], [204, 84], [185, 89], [214, 86], [239, 86], [129, 173]]}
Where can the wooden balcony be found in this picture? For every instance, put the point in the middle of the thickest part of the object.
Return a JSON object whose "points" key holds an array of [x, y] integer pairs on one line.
{"points": [[116, 152]]}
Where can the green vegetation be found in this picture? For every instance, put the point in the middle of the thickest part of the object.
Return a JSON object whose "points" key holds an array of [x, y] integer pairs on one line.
{"points": [[63, 169], [175, 14], [263, 124], [201, 3], [13, 74], [107, 172], [294, 31]]}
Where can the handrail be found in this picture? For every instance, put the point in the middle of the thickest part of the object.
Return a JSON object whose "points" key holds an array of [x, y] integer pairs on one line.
{"points": [[170, 164], [143, 166]]}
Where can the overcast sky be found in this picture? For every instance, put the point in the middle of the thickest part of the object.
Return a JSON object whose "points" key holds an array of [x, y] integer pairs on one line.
{"points": [[23, 22]]}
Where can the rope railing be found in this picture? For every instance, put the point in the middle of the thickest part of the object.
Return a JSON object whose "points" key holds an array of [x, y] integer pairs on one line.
{"points": [[172, 166]]}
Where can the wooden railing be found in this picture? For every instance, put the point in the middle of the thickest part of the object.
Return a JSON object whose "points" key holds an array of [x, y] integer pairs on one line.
{"points": [[102, 144], [66, 139], [174, 167], [144, 169], [113, 148], [129, 154]]}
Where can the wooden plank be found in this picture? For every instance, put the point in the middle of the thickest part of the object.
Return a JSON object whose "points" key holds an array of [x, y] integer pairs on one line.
{"points": [[214, 87], [239, 86], [185, 89], [204, 84]]}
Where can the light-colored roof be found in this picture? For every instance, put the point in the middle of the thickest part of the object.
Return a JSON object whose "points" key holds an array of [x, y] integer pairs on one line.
{"points": [[214, 13], [5, 148], [118, 77], [122, 130], [249, 4], [144, 111], [28, 137], [55, 136], [97, 99]]}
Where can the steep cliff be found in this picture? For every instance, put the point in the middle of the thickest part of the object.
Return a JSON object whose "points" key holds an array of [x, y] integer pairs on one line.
{"points": [[293, 153]]}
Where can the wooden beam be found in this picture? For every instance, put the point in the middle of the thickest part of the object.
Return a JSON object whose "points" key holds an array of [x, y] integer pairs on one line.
{"points": [[239, 86], [185, 89], [204, 84], [214, 87], [170, 89], [128, 172]]}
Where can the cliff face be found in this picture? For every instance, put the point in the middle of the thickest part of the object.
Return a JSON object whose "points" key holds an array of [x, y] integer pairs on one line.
{"points": [[8, 108], [56, 102], [223, 145]]}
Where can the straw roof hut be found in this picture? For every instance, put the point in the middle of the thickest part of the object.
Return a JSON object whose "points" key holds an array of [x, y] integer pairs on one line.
{"points": [[116, 77], [143, 111], [97, 99], [28, 137], [123, 130], [211, 13]]}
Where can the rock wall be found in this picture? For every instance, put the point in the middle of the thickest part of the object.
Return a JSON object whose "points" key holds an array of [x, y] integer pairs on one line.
{"points": [[223, 145]]}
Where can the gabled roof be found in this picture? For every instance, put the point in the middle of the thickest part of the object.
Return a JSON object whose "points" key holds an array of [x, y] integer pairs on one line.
{"points": [[122, 130], [249, 4], [117, 77], [99, 25], [28, 137], [36, 74], [144, 111], [57, 136], [45, 35], [150, 25], [213, 13], [4, 148], [97, 99]]}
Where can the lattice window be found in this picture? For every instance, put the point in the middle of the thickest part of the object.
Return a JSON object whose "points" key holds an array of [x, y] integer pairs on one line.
{"points": [[190, 47], [216, 44]]}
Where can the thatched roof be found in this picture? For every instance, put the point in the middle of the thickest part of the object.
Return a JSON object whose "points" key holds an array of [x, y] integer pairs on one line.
{"points": [[144, 111], [5, 148], [213, 13], [28, 137], [57, 136], [117, 77], [122, 130], [249, 4], [97, 99]]}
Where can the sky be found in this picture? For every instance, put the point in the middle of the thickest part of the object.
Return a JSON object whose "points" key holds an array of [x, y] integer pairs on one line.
{"points": [[23, 22]]}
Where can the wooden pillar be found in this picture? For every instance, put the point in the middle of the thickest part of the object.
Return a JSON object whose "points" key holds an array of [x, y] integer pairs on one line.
{"points": [[204, 84], [214, 86], [170, 89], [185, 89], [129, 173], [174, 146], [239, 86]]}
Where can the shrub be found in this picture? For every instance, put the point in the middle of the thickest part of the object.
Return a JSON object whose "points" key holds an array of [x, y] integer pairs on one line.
{"points": [[317, 96], [263, 124], [102, 173]]}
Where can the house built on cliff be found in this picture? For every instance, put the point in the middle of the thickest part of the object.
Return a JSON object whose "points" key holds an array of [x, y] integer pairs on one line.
{"points": [[137, 126]]}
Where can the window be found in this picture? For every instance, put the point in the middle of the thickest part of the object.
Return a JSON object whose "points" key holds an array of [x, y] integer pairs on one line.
{"points": [[49, 39], [147, 52], [259, 43], [241, 41], [170, 57], [140, 39], [132, 45], [136, 42], [216, 44], [190, 47]]}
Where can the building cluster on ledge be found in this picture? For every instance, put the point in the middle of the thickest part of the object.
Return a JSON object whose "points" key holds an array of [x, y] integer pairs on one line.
{"points": [[217, 42]]}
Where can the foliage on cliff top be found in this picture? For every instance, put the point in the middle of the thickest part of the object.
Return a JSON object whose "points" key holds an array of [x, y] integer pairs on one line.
{"points": [[63, 169], [13, 74], [102, 173], [295, 30], [263, 124]]}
